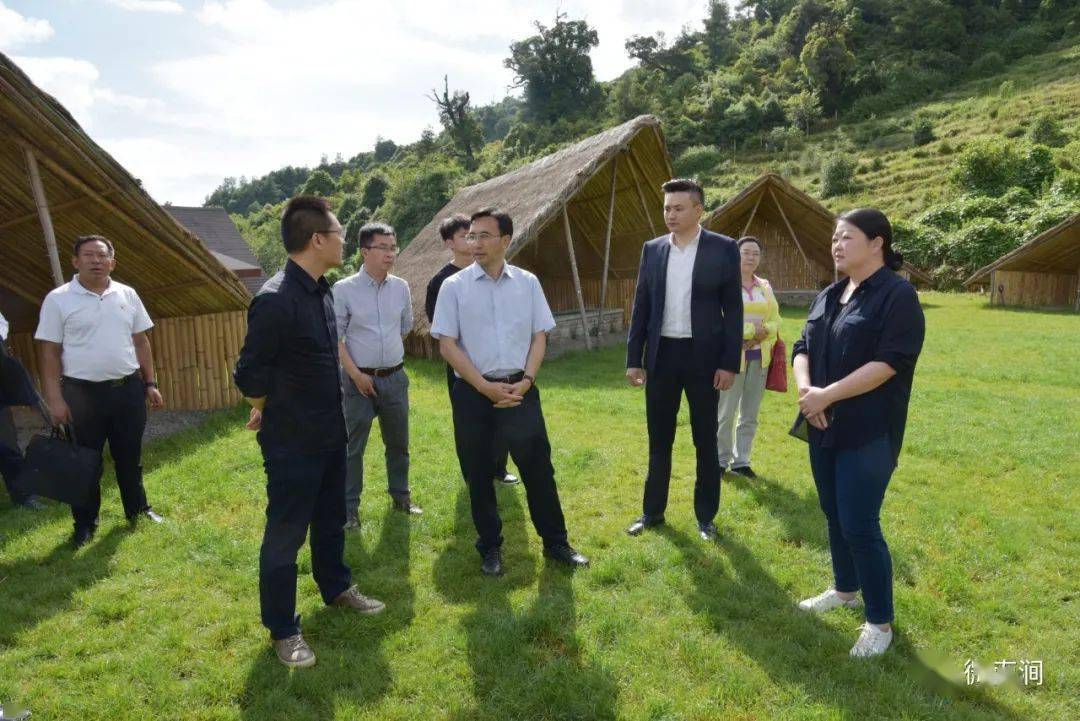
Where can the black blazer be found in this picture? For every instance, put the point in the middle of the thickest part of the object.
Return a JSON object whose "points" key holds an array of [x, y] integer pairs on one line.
{"points": [[716, 311]]}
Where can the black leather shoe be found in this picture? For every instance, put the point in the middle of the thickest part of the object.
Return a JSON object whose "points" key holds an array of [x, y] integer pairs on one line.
{"points": [[745, 472], [31, 503], [405, 505], [636, 528], [149, 514], [566, 554], [82, 535], [708, 531], [492, 565]]}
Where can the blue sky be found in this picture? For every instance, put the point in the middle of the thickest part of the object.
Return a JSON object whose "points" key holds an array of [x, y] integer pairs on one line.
{"points": [[187, 92]]}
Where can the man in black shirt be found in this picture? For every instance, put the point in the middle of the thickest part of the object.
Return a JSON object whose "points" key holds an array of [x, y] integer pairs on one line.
{"points": [[453, 229], [288, 371]]}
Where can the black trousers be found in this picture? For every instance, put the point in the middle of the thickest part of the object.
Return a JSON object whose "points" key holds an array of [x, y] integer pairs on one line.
{"points": [[499, 451], [115, 413], [304, 491], [478, 425], [11, 459], [673, 375]]}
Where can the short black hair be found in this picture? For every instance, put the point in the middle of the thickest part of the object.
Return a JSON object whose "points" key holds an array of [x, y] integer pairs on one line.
{"points": [[82, 240], [875, 224], [685, 185], [370, 230], [452, 224], [749, 239], [303, 216], [506, 226]]}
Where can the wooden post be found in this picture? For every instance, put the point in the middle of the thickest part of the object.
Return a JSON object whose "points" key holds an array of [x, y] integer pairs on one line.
{"points": [[752, 214], [577, 279], [640, 193], [43, 215], [607, 247], [792, 231]]}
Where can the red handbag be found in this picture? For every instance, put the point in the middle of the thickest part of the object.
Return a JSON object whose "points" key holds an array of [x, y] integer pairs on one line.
{"points": [[776, 380]]}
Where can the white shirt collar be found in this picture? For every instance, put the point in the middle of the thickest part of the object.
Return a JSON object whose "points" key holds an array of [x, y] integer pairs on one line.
{"points": [[479, 272], [694, 242], [80, 288]]}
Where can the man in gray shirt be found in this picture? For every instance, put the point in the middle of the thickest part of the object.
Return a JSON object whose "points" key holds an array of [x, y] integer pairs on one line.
{"points": [[491, 321], [374, 314]]}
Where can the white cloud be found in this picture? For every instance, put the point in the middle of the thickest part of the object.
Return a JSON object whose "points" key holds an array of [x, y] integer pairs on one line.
{"points": [[149, 6], [274, 85], [17, 30], [75, 83]]}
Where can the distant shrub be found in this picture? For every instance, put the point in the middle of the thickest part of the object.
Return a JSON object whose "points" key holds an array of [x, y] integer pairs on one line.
{"points": [[982, 242], [837, 176], [698, 161], [990, 63], [980, 206], [1007, 89], [1025, 40], [945, 148], [922, 132], [1014, 132], [1047, 131], [1067, 185], [942, 217], [990, 167], [877, 164]]}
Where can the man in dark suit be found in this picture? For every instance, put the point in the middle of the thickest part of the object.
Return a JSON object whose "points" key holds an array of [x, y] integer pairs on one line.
{"points": [[685, 336]]}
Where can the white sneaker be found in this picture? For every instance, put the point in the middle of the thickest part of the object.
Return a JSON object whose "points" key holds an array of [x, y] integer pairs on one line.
{"points": [[827, 601], [872, 642]]}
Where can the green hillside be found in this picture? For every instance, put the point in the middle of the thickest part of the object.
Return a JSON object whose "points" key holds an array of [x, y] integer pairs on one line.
{"points": [[902, 178]]}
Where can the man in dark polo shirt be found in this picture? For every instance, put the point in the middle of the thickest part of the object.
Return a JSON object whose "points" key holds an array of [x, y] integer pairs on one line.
{"points": [[288, 371], [454, 230]]}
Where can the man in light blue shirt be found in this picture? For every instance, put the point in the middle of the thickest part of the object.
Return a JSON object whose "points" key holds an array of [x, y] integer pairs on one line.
{"points": [[374, 314], [491, 321]]}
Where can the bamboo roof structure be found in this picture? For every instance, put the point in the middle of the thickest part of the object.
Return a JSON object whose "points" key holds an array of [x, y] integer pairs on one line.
{"points": [[1056, 250], [808, 224], [54, 177], [561, 206]]}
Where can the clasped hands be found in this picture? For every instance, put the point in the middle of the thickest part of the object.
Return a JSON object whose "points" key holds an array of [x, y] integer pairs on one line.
{"points": [[813, 402], [506, 395]]}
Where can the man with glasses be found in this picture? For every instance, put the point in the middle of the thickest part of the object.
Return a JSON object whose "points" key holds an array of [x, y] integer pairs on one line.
{"points": [[454, 230], [374, 314], [491, 321], [288, 371]]}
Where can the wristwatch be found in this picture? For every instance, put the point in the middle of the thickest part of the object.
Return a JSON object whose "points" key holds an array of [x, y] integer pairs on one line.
{"points": [[526, 376], [150, 384]]}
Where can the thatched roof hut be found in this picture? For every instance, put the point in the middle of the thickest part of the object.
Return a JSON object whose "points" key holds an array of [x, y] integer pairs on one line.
{"points": [[796, 232], [606, 186], [57, 183], [1043, 272]]}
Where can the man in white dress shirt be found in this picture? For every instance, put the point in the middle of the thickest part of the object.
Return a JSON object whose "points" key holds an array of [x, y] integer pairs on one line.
{"points": [[685, 337], [98, 373], [491, 321], [374, 313]]}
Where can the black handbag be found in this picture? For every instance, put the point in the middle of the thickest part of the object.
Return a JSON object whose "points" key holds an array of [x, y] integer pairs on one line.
{"points": [[57, 467]]}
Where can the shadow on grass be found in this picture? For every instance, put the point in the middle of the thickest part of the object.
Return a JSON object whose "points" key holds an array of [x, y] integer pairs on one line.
{"points": [[799, 650], [802, 517], [352, 669], [34, 589], [525, 664]]}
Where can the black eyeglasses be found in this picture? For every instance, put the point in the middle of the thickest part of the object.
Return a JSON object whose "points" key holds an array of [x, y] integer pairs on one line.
{"points": [[339, 231]]}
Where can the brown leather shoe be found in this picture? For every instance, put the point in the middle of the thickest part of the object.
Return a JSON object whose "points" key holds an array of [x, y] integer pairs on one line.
{"points": [[352, 598]]}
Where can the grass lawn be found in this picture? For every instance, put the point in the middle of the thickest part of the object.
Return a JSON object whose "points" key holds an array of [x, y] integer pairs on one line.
{"points": [[162, 622]]}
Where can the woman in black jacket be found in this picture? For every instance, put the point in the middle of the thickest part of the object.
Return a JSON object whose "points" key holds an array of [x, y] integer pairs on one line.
{"points": [[854, 366]]}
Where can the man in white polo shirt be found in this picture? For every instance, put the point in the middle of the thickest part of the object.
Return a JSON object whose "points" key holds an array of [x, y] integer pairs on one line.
{"points": [[98, 373]]}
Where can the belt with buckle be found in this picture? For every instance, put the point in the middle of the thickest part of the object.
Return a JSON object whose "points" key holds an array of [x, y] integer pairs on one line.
{"points": [[112, 383], [511, 379], [382, 372]]}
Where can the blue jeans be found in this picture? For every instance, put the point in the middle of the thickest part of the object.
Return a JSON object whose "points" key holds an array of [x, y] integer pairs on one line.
{"points": [[851, 486], [303, 490]]}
